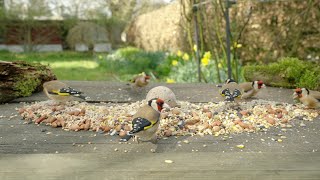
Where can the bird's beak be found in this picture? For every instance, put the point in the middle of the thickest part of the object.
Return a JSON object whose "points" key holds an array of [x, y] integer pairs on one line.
{"points": [[294, 95]]}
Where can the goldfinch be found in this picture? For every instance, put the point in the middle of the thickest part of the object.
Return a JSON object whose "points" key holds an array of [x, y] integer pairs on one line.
{"points": [[145, 122], [59, 91], [230, 90], [309, 99], [250, 89], [139, 81]]}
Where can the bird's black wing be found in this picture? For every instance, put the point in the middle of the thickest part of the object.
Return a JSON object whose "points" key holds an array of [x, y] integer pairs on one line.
{"points": [[227, 94], [138, 124], [236, 93]]}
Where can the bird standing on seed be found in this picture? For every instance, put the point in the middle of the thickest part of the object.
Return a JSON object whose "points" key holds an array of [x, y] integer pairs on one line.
{"points": [[146, 121], [139, 81], [60, 92], [231, 90], [309, 98], [250, 89]]}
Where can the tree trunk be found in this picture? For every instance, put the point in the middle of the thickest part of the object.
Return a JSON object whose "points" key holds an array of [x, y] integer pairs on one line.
{"points": [[20, 79]]}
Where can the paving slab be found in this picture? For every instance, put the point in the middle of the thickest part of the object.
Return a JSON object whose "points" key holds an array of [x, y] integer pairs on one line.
{"points": [[29, 151]]}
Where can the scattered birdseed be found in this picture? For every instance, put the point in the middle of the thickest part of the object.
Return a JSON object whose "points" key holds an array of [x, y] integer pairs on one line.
{"points": [[168, 161], [189, 119]]}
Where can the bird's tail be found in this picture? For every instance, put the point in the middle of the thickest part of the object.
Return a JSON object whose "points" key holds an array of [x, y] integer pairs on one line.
{"points": [[126, 138], [82, 97]]}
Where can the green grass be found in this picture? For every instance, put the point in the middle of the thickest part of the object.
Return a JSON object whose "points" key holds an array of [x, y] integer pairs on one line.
{"points": [[65, 65]]}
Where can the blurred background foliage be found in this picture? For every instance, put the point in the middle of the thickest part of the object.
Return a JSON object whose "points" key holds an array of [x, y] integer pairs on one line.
{"points": [[268, 38]]}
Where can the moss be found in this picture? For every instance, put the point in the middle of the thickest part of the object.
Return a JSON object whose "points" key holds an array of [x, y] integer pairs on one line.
{"points": [[24, 86], [287, 72], [310, 79]]}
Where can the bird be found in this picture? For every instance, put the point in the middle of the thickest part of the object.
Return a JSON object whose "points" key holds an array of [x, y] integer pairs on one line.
{"points": [[146, 121], [139, 81], [230, 90], [311, 99], [61, 92], [250, 89]]}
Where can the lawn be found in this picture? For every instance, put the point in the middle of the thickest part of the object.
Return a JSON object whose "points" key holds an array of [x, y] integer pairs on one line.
{"points": [[67, 65]]}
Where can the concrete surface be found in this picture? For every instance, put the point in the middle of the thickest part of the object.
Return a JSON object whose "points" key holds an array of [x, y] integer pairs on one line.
{"points": [[31, 152]]}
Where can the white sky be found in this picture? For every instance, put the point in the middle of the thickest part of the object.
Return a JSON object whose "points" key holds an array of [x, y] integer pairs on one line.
{"points": [[71, 6]]}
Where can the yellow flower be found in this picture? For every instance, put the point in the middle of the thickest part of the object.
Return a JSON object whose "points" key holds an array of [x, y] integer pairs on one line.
{"points": [[185, 57], [236, 45], [195, 48], [207, 55], [204, 61], [239, 45], [174, 63], [179, 53], [219, 65], [170, 80]]}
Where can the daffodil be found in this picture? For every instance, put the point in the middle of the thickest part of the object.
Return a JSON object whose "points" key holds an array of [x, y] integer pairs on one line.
{"points": [[174, 63], [236, 45], [179, 53], [185, 57], [170, 80], [204, 61], [207, 55], [195, 48], [239, 45]]}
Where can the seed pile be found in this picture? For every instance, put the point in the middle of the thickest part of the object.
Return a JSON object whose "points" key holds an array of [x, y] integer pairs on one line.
{"points": [[187, 119]]}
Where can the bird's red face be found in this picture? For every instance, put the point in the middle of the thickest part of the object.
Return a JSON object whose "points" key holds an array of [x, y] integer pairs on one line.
{"points": [[298, 91], [160, 104], [147, 78], [260, 84]]}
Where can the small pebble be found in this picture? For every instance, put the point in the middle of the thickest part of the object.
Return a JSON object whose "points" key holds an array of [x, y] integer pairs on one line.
{"points": [[303, 125]]}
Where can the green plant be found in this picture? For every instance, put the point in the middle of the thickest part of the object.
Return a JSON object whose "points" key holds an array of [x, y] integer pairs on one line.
{"points": [[131, 60], [185, 68]]}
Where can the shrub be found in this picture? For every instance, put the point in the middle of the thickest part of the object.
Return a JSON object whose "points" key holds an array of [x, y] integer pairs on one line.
{"points": [[132, 60]]}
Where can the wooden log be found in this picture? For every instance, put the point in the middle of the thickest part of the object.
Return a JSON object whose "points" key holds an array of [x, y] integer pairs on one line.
{"points": [[20, 79]]}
